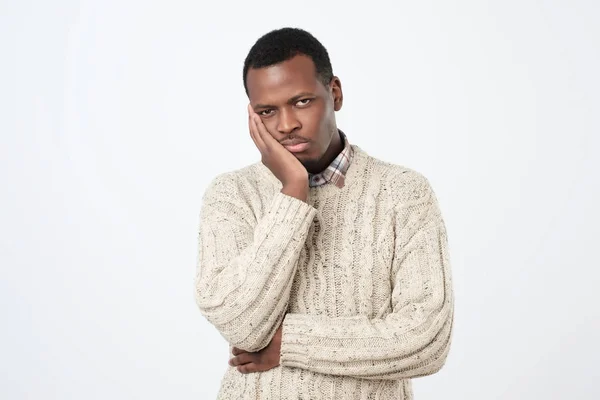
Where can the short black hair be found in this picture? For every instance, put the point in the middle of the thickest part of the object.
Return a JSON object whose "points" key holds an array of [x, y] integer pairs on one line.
{"points": [[283, 44]]}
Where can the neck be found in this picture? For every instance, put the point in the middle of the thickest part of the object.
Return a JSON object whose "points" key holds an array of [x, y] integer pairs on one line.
{"points": [[335, 147]]}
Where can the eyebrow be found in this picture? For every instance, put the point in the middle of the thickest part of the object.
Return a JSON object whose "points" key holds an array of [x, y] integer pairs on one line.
{"points": [[290, 101]]}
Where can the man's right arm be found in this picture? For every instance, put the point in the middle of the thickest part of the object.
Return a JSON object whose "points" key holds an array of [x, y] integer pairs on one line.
{"points": [[245, 267]]}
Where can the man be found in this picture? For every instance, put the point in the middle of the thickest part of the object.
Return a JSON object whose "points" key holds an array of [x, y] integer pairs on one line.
{"points": [[324, 268]]}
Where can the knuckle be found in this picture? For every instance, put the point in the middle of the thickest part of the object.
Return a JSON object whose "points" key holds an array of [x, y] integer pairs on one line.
{"points": [[244, 369]]}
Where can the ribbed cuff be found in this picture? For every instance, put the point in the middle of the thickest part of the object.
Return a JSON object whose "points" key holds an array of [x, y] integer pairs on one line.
{"points": [[287, 211], [295, 343]]}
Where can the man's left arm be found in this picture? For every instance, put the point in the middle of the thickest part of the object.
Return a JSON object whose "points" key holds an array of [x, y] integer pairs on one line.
{"points": [[414, 339]]}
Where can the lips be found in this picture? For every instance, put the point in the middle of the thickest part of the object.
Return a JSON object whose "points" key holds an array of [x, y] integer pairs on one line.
{"points": [[295, 145]]}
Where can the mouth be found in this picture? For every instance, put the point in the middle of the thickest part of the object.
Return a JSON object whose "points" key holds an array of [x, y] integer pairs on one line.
{"points": [[297, 147]]}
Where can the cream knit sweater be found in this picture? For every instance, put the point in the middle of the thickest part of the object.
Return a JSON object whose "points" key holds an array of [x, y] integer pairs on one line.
{"points": [[360, 277]]}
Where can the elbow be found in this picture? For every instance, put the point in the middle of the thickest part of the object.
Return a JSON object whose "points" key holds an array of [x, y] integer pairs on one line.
{"points": [[427, 361], [437, 363], [244, 335], [440, 348], [436, 353], [430, 359]]}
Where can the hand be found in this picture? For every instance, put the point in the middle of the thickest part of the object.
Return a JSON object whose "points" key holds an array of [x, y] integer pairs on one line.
{"points": [[259, 361], [282, 163]]}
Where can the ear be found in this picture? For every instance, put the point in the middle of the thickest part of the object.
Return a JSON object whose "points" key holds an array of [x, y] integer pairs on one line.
{"points": [[336, 92]]}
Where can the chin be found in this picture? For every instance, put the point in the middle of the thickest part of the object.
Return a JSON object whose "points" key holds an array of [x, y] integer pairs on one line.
{"points": [[309, 163]]}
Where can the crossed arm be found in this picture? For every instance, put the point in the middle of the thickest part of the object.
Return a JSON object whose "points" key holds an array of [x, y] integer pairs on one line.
{"points": [[245, 274]]}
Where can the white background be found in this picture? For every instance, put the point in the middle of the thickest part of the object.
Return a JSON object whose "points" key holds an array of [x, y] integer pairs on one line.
{"points": [[115, 115]]}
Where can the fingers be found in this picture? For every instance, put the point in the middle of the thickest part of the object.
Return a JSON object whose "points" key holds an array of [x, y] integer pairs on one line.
{"points": [[246, 362], [262, 130], [261, 133], [254, 133], [241, 359], [249, 368], [235, 351]]}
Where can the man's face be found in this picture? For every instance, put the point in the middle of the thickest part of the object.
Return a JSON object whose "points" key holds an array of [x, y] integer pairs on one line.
{"points": [[294, 104]]}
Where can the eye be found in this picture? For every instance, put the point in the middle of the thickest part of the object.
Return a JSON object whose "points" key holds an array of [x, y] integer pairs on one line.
{"points": [[265, 113], [303, 102]]}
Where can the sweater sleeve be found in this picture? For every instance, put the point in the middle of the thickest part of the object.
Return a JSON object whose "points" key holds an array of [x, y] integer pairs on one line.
{"points": [[414, 339], [245, 267]]}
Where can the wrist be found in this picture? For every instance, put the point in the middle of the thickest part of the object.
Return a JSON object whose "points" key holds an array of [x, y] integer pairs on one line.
{"points": [[299, 191]]}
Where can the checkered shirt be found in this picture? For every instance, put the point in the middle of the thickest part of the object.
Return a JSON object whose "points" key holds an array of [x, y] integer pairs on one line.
{"points": [[336, 171]]}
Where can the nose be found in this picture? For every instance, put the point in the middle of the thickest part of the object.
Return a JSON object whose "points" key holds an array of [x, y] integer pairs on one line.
{"points": [[287, 122]]}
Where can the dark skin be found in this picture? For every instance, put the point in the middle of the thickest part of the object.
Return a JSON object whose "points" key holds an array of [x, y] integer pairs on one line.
{"points": [[289, 101], [293, 103]]}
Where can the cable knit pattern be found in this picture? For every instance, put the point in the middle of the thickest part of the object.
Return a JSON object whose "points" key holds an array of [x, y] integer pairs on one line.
{"points": [[359, 276]]}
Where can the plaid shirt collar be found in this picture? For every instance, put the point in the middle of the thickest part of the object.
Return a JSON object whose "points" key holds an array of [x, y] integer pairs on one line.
{"points": [[336, 171]]}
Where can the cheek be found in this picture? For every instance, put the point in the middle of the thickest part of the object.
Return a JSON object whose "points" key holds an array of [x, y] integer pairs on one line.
{"points": [[314, 121]]}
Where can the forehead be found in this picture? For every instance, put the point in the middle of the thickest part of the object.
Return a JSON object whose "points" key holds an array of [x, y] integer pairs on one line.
{"points": [[279, 82]]}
